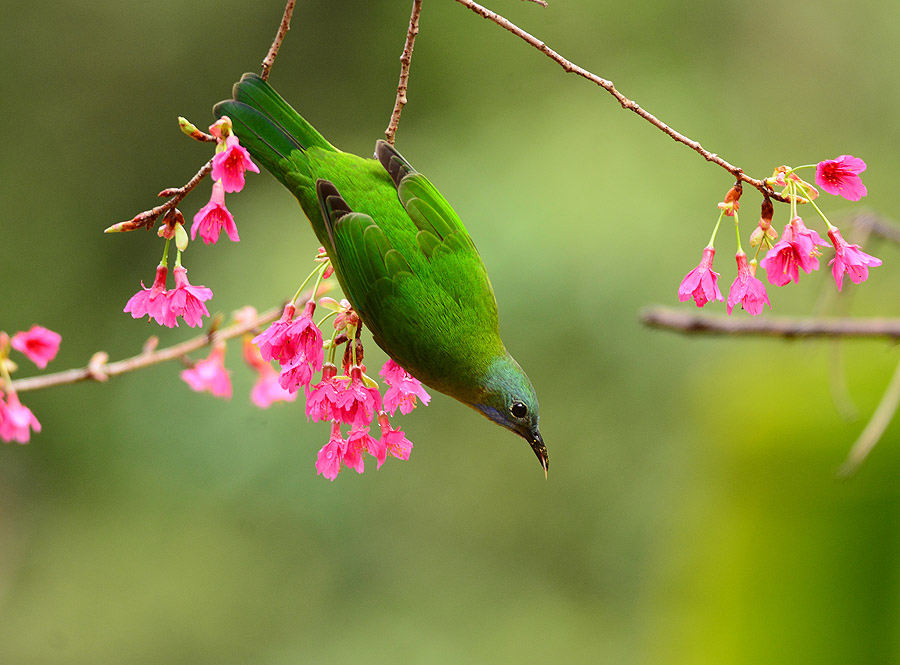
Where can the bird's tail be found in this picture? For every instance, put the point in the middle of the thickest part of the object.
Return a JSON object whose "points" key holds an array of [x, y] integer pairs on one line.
{"points": [[269, 127]]}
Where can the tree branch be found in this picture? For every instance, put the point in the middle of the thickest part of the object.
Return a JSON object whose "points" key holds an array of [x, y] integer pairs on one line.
{"points": [[405, 60], [626, 103], [884, 414], [100, 371], [269, 60], [789, 328], [148, 218]]}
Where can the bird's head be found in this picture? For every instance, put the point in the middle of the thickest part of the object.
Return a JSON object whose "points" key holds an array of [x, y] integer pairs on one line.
{"points": [[507, 397]]}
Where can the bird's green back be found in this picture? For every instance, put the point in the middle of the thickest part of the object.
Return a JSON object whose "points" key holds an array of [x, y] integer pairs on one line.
{"points": [[404, 259]]}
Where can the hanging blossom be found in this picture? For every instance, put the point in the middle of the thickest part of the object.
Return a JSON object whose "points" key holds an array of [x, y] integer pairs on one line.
{"points": [[849, 259], [403, 389], [700, 283], [321, 403], [797, 250], [266, 390], [288, 339], [394, 440], [212, 218], [39, 344], [296, 344], [151, 301], [747, 290], [358, 403], [210, 375], [840, 177], [228, 166], [16, 420], [186, 300]]}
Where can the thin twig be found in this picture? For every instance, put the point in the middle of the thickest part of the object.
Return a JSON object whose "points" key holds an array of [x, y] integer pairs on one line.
{"points": [[542, 3], [99, 371], [875, 428], [148, 218], [405, 60], [269, 60], [790, 328], [876, 225], [626, 103]]}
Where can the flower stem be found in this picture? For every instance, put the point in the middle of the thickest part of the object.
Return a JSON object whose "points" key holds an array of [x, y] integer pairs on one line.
{"points": [[737, 232], [324, 319], [165, 256], [712, 238], [319, 269], [7, 379], [822, 214]]}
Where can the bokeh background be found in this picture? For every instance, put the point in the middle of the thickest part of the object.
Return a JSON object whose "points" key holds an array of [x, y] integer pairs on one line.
{"points": [[692, 512]]}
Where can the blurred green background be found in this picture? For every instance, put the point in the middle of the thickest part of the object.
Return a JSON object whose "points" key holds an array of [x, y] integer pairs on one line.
{"points": [[691, 515]]}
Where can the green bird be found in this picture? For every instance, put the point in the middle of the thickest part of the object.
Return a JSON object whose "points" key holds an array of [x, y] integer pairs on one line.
{"points": [[401, 254]]}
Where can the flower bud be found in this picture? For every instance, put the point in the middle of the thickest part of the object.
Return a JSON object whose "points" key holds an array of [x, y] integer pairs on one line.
{"points": [[221, 128], [188, 128], [181, 237]]}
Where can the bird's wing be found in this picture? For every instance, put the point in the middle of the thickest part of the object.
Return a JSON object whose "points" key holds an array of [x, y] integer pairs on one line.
{"points": [[363, 257], [454, 262]]}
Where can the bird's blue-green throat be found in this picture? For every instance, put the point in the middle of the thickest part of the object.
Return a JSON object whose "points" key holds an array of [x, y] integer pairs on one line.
{"points": [[401, 254]]}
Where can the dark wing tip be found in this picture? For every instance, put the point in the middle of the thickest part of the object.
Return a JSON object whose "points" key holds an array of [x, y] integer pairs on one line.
{"points": [[392, 161], [332, 204]]}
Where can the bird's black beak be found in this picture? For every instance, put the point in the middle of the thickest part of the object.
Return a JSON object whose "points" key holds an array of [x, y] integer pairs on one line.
{"points": [[537, 445]]}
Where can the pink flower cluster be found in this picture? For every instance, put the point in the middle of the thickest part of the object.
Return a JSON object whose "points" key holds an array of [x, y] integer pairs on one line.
{"points": [[228, 166], [39, 345], [352, 399], [185, 300], [798, 248]]}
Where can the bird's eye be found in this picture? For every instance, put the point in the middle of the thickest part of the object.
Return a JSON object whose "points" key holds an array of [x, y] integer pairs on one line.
{"points": [[518, 410]]}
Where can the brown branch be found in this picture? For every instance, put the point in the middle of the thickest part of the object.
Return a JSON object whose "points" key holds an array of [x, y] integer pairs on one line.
{"points": [[269, 60], [626, 103], [690, 323], [405, 60], [148, 218], [542, 3], [98, 370], [876, 225]]}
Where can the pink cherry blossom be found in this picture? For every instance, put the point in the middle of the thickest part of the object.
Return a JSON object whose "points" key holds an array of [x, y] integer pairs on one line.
{"points": [[287, 339], [394, 440], [230, 164], [323, 397], [39, 344], [213, 217], [152, 301], [746, 289], [266, 390], [274, 343], [356, 446], [186, 300], [841, 177], [210, 374], [403, 389], [700, 283], [296, 373], [357, 404], [797, 250], [359, 439], [328, 462], [849, 259], [16, 420]]}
